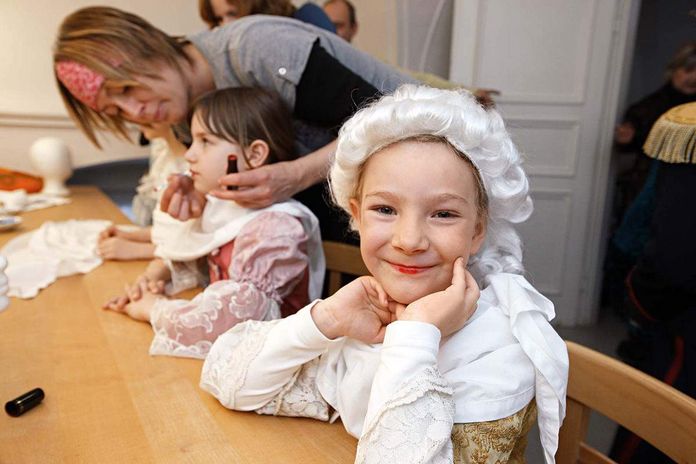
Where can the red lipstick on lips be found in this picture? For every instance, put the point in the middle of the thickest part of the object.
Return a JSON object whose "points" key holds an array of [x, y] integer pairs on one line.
{"points": [[411, 270]]}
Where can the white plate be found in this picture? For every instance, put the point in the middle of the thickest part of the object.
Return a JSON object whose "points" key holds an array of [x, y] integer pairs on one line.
{"points": [[9, 222]]}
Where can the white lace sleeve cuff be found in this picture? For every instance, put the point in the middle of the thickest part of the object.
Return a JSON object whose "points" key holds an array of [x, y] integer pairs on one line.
{"points": [[250, 365], [413, 425], [409, 348]]}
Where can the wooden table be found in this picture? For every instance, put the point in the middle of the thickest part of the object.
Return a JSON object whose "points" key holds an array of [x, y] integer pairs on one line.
{"points": [[107, 400]]}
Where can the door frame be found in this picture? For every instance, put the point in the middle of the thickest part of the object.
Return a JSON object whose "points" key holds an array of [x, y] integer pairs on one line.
{"points": [[462, 67], [622, 48]]}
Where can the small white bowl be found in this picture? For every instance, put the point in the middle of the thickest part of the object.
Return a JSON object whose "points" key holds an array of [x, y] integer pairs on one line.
{"points": [[9, 222]]}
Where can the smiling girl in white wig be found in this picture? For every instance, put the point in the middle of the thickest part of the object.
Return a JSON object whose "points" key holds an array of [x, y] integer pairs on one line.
{"points": [[420, 364]]}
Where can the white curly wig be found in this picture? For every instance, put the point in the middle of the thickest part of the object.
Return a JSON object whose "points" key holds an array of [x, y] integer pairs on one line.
{"points": [[477, 133]]}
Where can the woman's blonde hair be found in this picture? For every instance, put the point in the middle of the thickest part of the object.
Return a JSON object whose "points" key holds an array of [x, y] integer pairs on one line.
{"points": [[246, 8], [475, 134], [117, 45]]}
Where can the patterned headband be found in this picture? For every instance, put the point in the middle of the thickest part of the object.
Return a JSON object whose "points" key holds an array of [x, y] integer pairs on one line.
{"points": [[83, 83]]}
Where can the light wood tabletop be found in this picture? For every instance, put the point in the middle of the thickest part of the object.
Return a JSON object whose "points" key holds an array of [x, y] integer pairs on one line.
{"points": [[107, 400]]}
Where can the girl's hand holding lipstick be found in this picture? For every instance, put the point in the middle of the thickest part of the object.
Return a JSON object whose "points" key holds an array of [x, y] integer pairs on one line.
{"points": [[180, 199]]}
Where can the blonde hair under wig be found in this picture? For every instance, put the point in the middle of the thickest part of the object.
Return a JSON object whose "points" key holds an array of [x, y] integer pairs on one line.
{"points": [[475, 132]]}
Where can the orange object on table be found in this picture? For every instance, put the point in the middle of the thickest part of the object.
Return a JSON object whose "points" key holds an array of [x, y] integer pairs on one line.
{"points": [[14, 180]]}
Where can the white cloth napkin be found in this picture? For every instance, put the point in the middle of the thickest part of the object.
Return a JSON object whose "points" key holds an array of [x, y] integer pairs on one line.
{"points": [[15, 201], [56, 249]]}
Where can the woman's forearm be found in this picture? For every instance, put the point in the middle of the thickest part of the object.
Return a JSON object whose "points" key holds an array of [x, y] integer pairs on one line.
{"points": [[314, 167]]}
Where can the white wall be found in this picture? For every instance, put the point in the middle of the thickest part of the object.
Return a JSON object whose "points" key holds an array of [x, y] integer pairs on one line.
{"points": [[377, 28]]}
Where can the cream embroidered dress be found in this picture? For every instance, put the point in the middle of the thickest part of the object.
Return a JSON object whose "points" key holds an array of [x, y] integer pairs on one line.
{"points": [[415, 398], [262, 264], [163, 163]]}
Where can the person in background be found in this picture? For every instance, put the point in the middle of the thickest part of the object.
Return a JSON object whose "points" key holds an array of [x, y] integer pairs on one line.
{"points": [[166, 158], [635, 184], [679, 88], [342, 15], [107, 78], [661, 287], [262, 263], [338, 16], [220, 12], [419, 364]]}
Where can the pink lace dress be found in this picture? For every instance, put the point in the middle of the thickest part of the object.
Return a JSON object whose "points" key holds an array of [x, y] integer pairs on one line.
{"points": [[262, 274]]}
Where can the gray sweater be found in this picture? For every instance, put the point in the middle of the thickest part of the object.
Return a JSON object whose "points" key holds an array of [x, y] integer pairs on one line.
{"points": [[272, 52]]}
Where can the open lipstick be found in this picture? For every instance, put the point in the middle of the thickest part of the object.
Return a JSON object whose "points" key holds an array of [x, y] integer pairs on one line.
{"points": [[231, 168]]}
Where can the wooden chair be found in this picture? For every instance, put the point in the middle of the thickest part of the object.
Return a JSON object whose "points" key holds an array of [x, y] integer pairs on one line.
{"points": [[654, 411], [342, 259]]}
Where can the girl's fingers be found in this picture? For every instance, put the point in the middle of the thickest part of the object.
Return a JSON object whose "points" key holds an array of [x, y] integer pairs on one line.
{"points": [[397, 309], [196, 206], [156, 287], [109, 303], [379, 337], [472, 293], [459, 273], [117, 303], [470, 281], [133, 292], [377, 291], [383, 298], [122, 302], [184, 210], [174, 203]]}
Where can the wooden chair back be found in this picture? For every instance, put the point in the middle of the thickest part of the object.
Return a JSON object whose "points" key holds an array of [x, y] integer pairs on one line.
{"points": [[654, 411], [342, 259]]}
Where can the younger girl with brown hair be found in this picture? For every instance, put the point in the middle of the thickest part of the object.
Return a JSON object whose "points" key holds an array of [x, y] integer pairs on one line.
{"points": [[262, 263]]}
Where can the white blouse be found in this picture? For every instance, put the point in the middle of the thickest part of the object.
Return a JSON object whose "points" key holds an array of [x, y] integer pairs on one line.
{"points": [[401, 398]]}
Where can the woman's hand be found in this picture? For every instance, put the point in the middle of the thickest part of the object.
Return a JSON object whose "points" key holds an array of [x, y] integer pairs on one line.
{"points": [[447, 310], [262, 186], [180, 200], [359, 310]]}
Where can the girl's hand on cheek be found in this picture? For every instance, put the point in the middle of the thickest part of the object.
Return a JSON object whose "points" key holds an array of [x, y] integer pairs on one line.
{"points": [[447, 310], [359, 310]]}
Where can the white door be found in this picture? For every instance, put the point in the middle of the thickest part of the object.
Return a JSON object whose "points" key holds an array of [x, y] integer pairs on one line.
{"points": [[558, 65]]}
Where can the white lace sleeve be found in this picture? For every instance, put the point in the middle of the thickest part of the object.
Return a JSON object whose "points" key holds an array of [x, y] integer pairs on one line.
{"points": [[268, 367], [415, 425], [189, 328], [411, 411]]}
